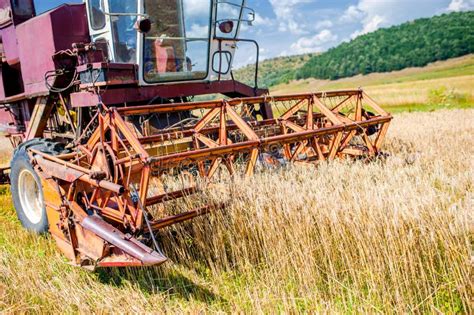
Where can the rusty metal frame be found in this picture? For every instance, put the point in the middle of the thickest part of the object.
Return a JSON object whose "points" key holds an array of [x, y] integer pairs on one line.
{"points": [[309, 130]]}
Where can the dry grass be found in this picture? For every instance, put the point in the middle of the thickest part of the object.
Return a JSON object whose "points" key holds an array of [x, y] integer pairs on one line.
{"points": [[445, 93], [419, 92], [389, 236], [444, 84]]}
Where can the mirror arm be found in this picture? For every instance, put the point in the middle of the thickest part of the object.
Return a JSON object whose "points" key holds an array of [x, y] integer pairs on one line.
{"points": [[146, 16], [242, 8]]}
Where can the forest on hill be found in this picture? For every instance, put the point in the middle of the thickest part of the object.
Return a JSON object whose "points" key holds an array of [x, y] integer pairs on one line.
{"points": [[272, 71], [412, 44]]}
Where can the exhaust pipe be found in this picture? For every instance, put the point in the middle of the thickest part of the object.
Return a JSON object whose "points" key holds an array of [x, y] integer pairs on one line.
{"points": [[126, 243]]}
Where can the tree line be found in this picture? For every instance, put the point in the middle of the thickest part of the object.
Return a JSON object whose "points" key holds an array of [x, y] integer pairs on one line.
{"points": [[412, 44]]}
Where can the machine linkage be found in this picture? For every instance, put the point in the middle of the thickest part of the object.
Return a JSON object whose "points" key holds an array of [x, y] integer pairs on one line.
{"points": [[102, 191]]}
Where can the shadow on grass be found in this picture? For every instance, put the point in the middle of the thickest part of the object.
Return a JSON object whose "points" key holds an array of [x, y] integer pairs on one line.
{"points": [[153, 280]]}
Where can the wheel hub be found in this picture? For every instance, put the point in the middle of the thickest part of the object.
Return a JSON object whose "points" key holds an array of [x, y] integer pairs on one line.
{"points": [[30, 195]]}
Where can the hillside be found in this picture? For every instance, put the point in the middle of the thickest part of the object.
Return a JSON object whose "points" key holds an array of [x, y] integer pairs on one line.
{"points": [[413, 44], [272, 71], [442, 84]]}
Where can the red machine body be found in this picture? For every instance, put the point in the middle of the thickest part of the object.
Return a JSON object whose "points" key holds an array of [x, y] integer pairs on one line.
{"points": [[97, 100], [29, 43], [35, 45]]}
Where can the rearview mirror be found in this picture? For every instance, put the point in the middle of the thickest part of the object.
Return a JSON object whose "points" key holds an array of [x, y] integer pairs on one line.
{"points": [[143, 25], [251, 18], [226, 27]]}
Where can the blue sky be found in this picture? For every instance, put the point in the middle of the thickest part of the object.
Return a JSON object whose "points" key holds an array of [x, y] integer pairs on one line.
{"points": [[288, 27], [43, 5]]}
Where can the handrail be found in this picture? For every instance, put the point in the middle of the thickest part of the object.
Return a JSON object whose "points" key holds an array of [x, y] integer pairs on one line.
{"points": [[176, 107]]}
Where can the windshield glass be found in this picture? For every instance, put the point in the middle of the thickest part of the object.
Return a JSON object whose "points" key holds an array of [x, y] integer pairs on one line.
{"points": [[123, 30], [177, 47]]}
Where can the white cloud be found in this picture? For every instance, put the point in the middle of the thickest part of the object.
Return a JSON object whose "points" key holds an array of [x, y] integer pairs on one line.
{"points": [[371, 14], [241, 62], [198, 31], [262, 21], [287, 15], [257, 25], [370, 25], [461, 5], [226, 10], [374, 14], [352, 14], [314, 43], [324, 24], [294, 23], [195, 8]]}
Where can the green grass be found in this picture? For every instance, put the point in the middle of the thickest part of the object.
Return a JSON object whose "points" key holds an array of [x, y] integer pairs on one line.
{"points": [[411, 108], [389, 236], [445, 84], [392, 236]]}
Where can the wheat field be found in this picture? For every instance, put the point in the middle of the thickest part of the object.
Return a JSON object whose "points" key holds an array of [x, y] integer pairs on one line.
{"points": [[393, 235]]}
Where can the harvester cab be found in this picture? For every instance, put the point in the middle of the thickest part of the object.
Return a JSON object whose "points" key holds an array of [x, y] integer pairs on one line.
{"points": [[170, 40], [110, 148]]}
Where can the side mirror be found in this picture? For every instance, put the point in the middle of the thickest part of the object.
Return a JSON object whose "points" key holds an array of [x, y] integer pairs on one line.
{"points": [[251, 18], [143, 25], [226, 27]]}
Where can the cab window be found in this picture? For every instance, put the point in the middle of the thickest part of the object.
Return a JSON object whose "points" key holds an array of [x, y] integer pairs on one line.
{"points": [[177, 47], [123, 29], [97, 9], [23, 10]]}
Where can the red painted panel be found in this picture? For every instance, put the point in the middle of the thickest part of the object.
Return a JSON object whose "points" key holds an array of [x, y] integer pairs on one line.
{"points": [[70, 26], [10, 46], [40, 37], [139, 94], [36, 46], [2, 89]]}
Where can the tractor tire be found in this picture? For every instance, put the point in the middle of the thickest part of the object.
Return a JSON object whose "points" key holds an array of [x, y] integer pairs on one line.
{"points": [[26, 187]]}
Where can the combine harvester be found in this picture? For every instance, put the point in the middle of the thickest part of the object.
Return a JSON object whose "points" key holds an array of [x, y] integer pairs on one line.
{"points": [[96, 99]]}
